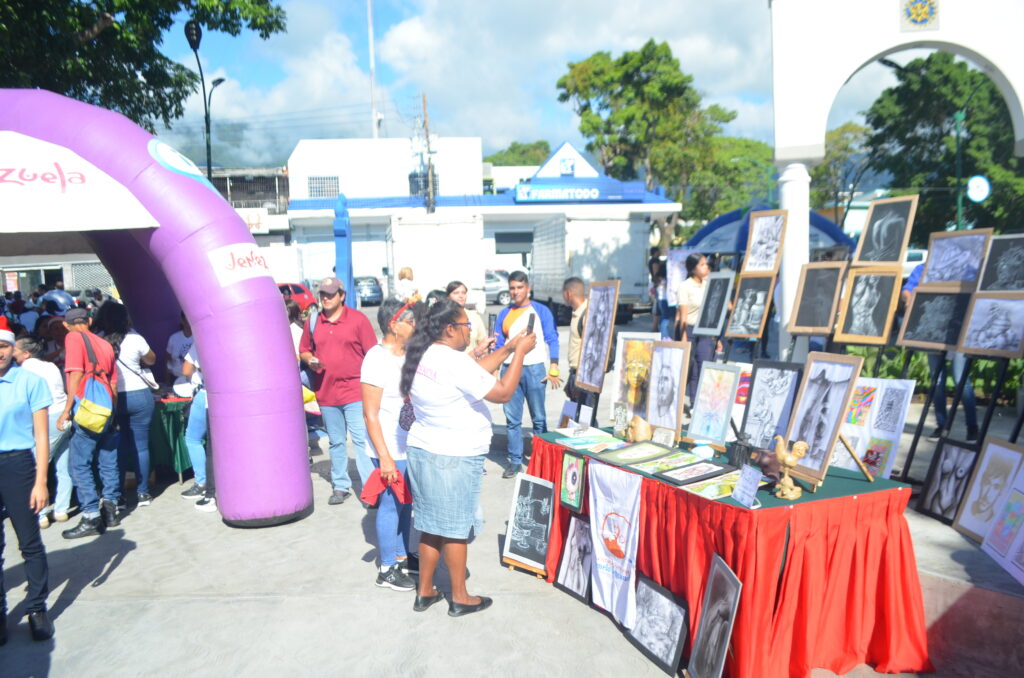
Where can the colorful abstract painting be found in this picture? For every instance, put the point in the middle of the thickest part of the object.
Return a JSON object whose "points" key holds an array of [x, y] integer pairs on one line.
{"points": [[876, 458], [1009, 522], [860, 405]]}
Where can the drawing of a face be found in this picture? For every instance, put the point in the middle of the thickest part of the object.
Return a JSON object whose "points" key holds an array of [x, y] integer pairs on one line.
{"points": [[993, 481], [666, 387]]}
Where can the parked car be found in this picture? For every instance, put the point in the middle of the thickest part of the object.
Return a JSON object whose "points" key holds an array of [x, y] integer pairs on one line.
{"points": [[911, 259], [496, 288], [370, 292], [300, 294]]}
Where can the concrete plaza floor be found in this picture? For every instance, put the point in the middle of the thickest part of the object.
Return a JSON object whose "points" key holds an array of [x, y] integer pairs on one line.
{"points": [[176, 592]]}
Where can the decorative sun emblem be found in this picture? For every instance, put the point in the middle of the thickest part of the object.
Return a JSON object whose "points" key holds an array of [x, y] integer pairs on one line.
{"points": [[920, 13]]}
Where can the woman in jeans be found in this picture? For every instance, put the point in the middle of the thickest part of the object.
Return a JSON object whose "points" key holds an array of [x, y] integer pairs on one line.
{"points": [[447, 442], [387, 418], [134, 399]]}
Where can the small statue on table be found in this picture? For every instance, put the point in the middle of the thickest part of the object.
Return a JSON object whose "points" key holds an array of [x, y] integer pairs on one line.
{"points": [[788, 459]]}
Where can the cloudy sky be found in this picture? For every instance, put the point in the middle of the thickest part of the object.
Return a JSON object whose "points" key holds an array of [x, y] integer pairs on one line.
{"points": [[488, 70]]}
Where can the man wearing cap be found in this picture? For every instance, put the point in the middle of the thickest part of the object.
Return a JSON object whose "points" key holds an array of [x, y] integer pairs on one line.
{"points": [[87, 448], [24, 425], [334, 354]]}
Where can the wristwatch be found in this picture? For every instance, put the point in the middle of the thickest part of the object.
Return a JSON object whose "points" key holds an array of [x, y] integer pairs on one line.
{"points": [[553, 371]]}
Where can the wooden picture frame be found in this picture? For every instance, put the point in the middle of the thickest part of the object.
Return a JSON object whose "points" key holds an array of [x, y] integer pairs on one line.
{"points": [[717, 616], [881, 242], [828, 382], [661, 627], [577, 560], [817, 303], [1003, 270], [750, 307], [573, 487], [867, 310], [988, 487], [694, 473], [934, 320], [529, 524], [766, 232], [994, 325], [713, 402], [634, 352], [598, 330], [955, 260], [950, 460], [715, 307], [635, 453], [669, 365], [773, 390]]}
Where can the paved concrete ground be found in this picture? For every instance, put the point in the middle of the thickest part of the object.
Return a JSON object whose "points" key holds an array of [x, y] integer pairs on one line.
{"points": [[175, 592]]}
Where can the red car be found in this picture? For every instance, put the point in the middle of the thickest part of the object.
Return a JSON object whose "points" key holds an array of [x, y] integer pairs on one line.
{"points": [[299, 293]]}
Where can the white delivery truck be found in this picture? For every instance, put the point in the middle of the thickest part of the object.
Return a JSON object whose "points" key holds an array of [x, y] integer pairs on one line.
{"points": [[594, 250]]}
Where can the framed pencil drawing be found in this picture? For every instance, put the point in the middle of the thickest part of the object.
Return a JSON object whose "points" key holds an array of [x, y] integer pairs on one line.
{"points": [[667, 385], [988, 487], [577, 560], [887, 231], [717, 292], [717, 615], [954, 260], [661, 626], [765, 235], [817, 298], [1004, 265], [866, 313], [946, 482], [933, 320], [773, 387], [750, 310], [994, 325], [603, 299], [828, 383]]}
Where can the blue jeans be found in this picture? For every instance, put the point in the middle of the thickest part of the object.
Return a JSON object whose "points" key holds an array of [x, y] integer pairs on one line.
{"points": [[59, 463], [702, 349], [134, 414], [969, 401], [340, 421], [86, 450], [393, 519], [531, 389], [666, 319], [195, 434]]}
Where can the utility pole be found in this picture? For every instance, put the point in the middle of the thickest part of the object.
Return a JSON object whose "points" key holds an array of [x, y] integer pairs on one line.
{"points": [[430, 159], [373, 62]]}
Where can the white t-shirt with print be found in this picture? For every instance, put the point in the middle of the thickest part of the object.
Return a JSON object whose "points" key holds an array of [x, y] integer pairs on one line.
{"points": [[383, 368], [129, 362], [49, 373], [178, 346], [448, 398]]}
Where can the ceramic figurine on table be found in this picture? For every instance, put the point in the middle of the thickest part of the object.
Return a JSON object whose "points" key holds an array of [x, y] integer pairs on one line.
{"points": [[788, 459], [639, 430]]}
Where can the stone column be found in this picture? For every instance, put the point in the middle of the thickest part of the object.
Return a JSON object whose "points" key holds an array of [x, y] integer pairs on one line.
{"points": [[795, 197]]}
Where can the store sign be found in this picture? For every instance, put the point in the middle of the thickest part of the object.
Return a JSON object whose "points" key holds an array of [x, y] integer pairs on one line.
{"points": [[241, 261], [569, 193]]}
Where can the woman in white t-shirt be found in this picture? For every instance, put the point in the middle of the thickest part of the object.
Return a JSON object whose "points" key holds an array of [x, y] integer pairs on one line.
{"points": [[447, 442], [388, 417], [134, 399], [689, 299]]}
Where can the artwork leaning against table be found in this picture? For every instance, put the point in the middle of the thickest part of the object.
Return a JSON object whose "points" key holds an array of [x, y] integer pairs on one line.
{"points": [[988, 488], [946, 483], [714, 628], [770, 404], [529, 521], [661, 625], [577, 559]]}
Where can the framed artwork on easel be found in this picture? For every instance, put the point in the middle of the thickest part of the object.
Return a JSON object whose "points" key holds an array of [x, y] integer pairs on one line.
{"points": [[954, 260], [817, 298], [750, 309], [866, 313], [765, 236], [669, 366], [887, 231], [602, 301]]}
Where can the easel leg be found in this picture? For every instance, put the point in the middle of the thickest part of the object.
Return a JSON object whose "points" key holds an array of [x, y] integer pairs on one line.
{"points": [[853, 453]]}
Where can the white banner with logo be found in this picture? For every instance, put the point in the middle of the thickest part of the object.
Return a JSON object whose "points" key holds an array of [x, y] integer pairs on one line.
{"points": [[615, 529]]}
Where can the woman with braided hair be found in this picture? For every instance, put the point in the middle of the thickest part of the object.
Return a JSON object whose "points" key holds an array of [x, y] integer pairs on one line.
{"points": [[449, 438]]}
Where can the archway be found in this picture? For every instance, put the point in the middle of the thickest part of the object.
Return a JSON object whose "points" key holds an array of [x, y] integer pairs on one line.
{"points": [[167, 237], [817, 47]]}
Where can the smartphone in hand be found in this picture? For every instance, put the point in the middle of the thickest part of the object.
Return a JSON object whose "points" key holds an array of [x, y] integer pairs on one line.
{"points": [[529, 323]]}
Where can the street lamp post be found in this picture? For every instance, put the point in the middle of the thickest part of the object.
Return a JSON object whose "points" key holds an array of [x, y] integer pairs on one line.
{"points": [[194, 35], [959, 117]]}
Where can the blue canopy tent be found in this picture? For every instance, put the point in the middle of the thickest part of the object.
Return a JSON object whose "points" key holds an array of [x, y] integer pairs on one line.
{"points": [[728, 233]]}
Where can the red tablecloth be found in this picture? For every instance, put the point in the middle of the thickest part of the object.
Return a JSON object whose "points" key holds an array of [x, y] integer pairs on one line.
{"points": [[848, 592]]}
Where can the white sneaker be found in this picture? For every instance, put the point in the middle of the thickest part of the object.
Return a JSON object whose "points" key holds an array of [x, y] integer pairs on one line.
{"points": [[44, 521], [207, 504]]}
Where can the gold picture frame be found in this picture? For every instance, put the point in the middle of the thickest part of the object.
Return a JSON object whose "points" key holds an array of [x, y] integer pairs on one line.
{"points": [[818, 295], [954, 312], [1004, 314], [817, 403], [866, 312], [598, 330], [984, 494], [880, 242], [947, 268], [750, 283], [766, 233], [662, 349]]}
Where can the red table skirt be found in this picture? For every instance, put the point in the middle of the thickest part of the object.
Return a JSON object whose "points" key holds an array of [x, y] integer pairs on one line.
{"points": [[842, 590]]}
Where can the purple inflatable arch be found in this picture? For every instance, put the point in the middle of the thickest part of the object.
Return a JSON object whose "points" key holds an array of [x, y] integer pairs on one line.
{"points": [[201, 256]]}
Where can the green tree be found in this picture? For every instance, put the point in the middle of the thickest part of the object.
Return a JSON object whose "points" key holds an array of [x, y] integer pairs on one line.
{"points": [[739, 172], [836, 179], [914, 142], [107, 53], [521, 154], [643, 118]]}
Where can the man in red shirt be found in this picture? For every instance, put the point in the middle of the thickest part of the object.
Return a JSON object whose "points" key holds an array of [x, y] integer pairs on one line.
{"points": [[87, 448], [334, 354]]}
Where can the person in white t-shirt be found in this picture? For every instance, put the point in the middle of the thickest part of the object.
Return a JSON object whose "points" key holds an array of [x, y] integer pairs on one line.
{"points": [[178, 345], [689, 299], [28, 353], [388, 417], [447, 442], [133, 358]]}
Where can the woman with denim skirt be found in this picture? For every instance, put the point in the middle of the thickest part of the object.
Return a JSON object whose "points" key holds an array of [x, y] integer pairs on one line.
{"points": [[447, 442], [388, 417]]}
